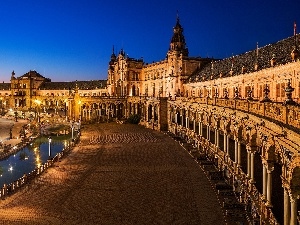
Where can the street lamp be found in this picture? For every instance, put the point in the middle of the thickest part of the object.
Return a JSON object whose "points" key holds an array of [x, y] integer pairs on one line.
{"points": [[72, 127], [37, 109], [49, 139]]}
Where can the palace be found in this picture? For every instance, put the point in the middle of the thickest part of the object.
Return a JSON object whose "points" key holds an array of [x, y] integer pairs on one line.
{"points": [[242, 113]]}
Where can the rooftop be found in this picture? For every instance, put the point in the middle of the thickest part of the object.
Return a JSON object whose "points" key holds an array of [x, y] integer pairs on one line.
{"points": [[245, 63]]}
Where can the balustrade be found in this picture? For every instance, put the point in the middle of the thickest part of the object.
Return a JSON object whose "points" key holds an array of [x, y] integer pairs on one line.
{"points": [[286, 114]]}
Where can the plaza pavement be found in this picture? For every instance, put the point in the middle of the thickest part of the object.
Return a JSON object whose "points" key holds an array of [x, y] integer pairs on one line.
{"points": [[5, 125], [118, 174]]}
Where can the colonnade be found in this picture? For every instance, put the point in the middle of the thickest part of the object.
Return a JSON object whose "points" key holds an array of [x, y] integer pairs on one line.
{"points": [[256, 151]]}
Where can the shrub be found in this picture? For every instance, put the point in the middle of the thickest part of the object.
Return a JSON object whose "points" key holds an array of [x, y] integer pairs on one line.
{"points": [[135, 119]]}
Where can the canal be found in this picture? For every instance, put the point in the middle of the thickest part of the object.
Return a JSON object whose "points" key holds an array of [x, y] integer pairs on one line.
{"points": [[31, 157]]}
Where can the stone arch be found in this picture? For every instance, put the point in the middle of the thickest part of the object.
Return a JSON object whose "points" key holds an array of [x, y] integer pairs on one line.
{"points": [[294, 177]]}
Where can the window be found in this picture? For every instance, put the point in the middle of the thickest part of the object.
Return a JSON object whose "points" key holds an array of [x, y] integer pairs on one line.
{"points": [[260, 91], [282, 90], [278, 90]]}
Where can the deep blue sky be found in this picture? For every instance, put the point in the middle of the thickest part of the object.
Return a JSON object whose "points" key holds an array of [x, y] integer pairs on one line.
{"points": [[68, 40]]}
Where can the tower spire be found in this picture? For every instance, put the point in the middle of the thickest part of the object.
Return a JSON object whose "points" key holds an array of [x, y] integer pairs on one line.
{"points": [[178, 41], [113, 56]]}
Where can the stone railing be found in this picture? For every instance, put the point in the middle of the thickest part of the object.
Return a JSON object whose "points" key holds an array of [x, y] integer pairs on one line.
{"points": [[286, 114]]}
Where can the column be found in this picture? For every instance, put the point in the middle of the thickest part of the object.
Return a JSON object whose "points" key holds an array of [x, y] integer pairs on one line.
{"points": [[252, 167], [239, 154], [248, 162], [181, 119], [215, 133], [287, 211], [217, 137], [147, 114], [176, 114], [224, 141], [235, 150], [269, 186], [208, 132], [194, 125], [199, 128], [293, 220], [227, 145], [264, 181], [153, 112], [187, 122]]}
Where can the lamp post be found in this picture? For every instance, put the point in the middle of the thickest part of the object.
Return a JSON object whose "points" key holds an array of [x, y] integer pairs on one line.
{"points": [[72, 127], [65, 109], [49, 139]]}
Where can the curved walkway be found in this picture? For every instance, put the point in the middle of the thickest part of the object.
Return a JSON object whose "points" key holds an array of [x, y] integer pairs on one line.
{"points": [[118, 174]]}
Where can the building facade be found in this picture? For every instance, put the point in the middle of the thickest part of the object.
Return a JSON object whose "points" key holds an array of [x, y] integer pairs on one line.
{"points": [[242, 113]]}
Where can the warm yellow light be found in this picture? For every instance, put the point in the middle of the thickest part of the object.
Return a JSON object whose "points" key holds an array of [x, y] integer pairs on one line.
{"points": [[37, 101]]}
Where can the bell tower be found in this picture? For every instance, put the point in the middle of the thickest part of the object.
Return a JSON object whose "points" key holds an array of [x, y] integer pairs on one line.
{"points": [[178, 44]]}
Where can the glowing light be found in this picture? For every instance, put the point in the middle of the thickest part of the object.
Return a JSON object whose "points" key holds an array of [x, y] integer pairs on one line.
{"points": [[10, 169], [37, 101]]}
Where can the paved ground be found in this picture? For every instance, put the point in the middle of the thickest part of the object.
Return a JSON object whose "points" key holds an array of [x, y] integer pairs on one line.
{"points": [[5, 125], [119, 174]]}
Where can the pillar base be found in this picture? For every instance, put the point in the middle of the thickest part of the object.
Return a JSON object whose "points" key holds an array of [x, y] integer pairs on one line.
{"points": [[268, 204]]}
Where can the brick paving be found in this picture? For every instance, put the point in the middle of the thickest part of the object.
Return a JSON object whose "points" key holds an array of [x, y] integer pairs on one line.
{"points": [[143, 178]]}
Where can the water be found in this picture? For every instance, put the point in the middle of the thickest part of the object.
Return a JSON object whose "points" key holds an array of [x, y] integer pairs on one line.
{"points": [[30, 157]]}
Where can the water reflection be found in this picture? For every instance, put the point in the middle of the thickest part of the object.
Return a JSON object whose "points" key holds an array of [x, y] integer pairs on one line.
{"points": [[30, 157]]}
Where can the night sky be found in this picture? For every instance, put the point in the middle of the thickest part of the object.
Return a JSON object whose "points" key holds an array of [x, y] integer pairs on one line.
{"points": [[67, 40]]}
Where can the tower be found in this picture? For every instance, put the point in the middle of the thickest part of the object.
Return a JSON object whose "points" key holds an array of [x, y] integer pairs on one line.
{"points": [[178, 44], [176, 55]]}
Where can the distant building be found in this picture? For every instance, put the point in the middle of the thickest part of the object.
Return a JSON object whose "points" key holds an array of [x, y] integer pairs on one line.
{"points": [[134, 77]]}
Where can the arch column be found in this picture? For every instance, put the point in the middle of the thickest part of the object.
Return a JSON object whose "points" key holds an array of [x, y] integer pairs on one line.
{"points": [[235, 150], [194, 125], [200, 128], [153, 113], [225, 142], [239, 159], [287, 207], [293, 219], [187, 119], [250, 162], [208, 132], [217, 137], [267, 182]]}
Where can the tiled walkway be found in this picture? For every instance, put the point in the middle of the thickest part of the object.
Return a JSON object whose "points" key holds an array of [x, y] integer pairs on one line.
{"points": [[143, 178]]}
